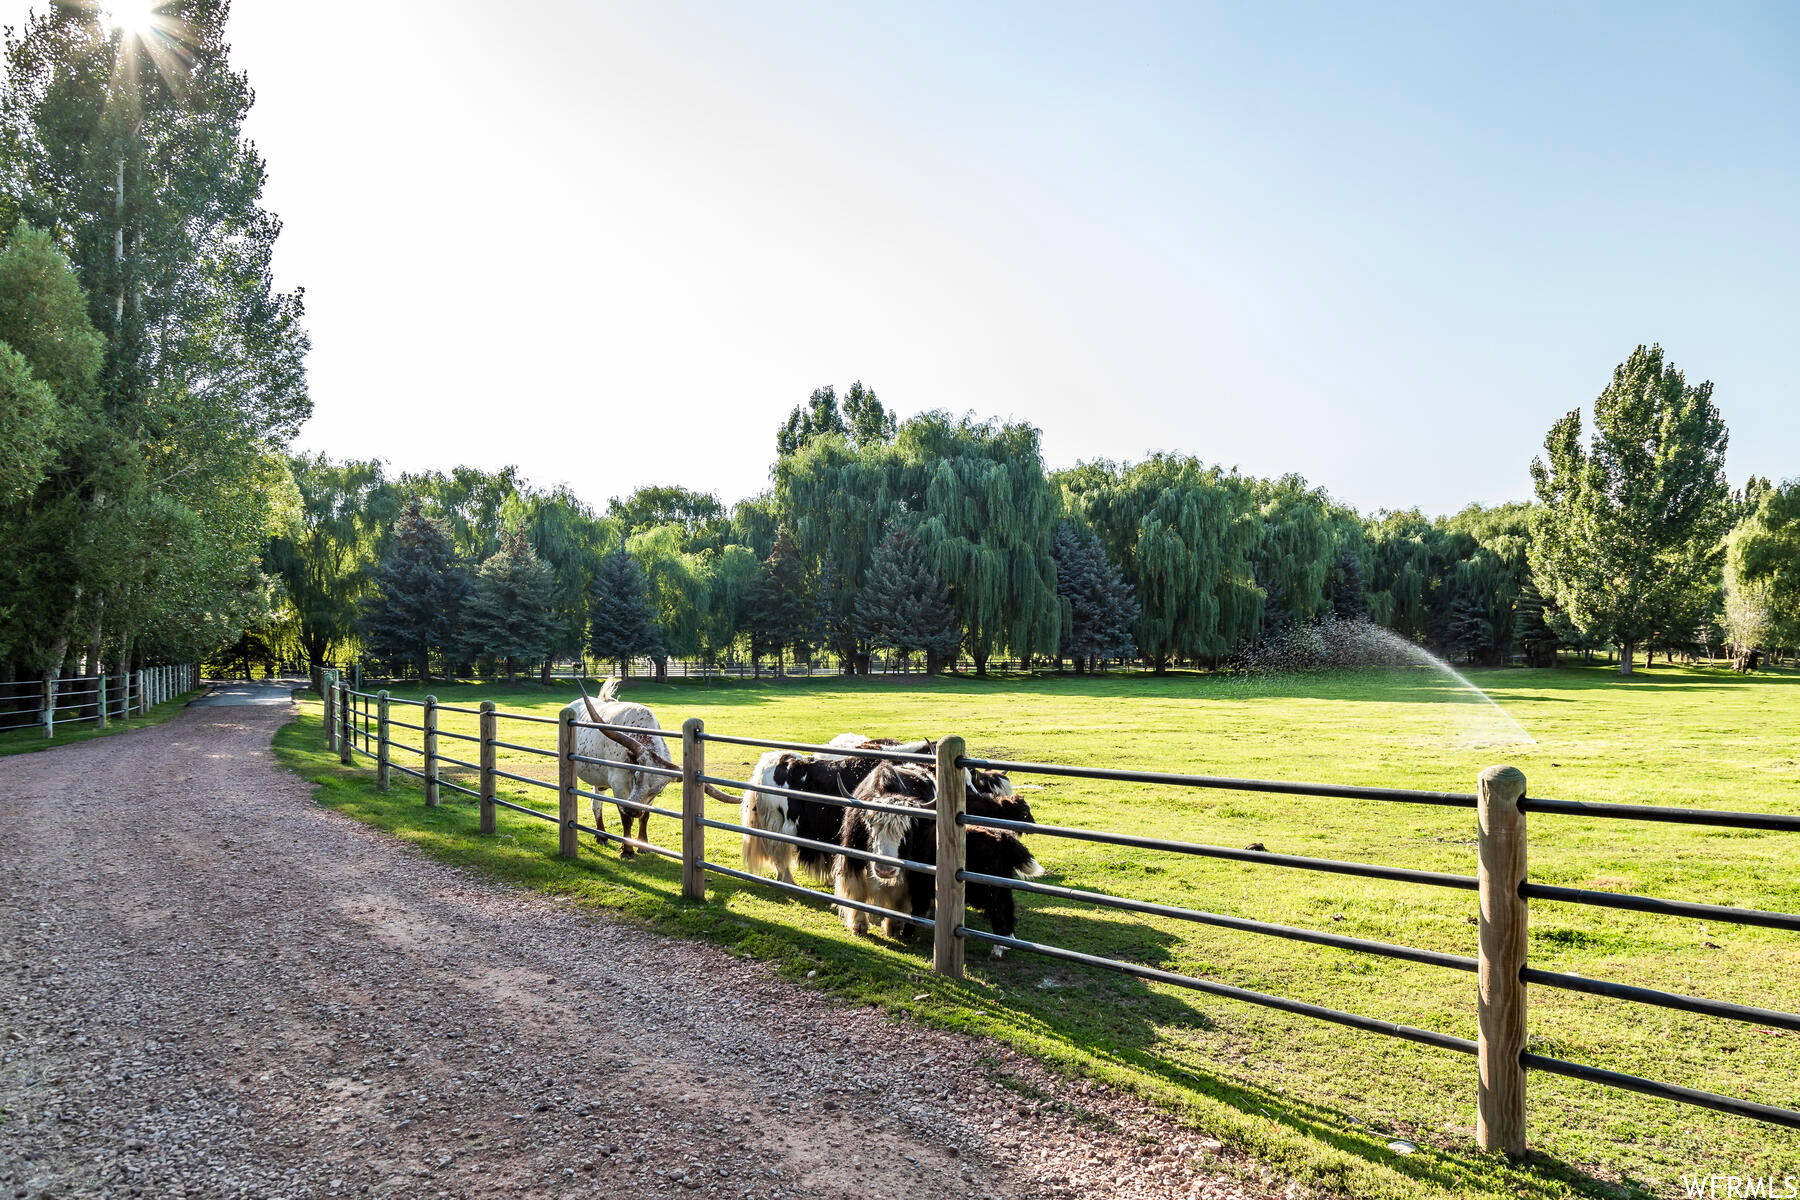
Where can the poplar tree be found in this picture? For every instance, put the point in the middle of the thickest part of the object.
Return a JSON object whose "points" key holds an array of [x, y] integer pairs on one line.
{"points": [[904, 606], [1627, 526], [861, 420], [818, 417], [127, 147], [509, 613], [868, 421], [1347, 592], [824, 627]]}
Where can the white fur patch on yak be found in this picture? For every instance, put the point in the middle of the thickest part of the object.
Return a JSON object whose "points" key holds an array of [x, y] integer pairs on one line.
{"points": [[767, 810], [770, 811]]}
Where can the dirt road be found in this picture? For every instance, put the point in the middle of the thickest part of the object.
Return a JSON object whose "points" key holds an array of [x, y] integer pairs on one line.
{"points": [[210, 986]]}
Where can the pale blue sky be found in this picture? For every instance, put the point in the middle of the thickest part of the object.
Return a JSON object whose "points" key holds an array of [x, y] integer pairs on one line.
{"points": [[1381, 246]]}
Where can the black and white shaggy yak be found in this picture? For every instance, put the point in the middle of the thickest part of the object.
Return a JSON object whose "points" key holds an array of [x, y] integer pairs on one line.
{"points": [[622, 751], [824, 775], [989, 851]]}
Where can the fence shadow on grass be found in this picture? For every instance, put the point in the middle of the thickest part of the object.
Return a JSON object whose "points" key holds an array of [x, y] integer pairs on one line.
{"points": [[1122, 1020]]}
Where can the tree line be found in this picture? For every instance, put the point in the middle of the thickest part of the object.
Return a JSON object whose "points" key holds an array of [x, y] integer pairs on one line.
{"points": [[943, 536], [151, 375]]}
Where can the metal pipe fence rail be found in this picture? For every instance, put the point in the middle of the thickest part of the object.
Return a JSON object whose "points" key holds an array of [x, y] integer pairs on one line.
{"points": [[1502, 972], [44, 704]]}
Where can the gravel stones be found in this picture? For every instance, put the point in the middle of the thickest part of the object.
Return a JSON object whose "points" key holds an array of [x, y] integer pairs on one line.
{"points": [[212, 987]]}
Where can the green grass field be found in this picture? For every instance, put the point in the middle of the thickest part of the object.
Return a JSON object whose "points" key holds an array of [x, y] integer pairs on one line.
{"points": [[1316, 1101]]}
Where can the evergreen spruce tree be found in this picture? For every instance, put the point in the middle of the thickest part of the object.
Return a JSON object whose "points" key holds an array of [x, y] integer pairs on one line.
{"points": [[1098, 606], [511, 613], [419, 593], [1349, 587], [779, 611], [904, 606], [619, 627], [1532, 628], [1469, 632]]}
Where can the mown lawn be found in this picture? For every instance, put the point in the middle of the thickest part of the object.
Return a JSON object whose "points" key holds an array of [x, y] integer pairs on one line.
{"points": [[1317, 1101], [25, 741]]}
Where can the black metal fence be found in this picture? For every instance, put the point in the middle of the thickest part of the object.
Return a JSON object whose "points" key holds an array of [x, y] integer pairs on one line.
{"points": [[361, 722]]}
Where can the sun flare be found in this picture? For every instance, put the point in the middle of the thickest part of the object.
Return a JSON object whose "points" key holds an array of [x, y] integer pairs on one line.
{"points": [[133, 16]]}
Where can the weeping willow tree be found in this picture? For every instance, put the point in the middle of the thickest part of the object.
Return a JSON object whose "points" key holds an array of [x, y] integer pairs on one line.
{"points": [[571, 539], [1183, 534], [733, 581], [679, 590], [471, 503], [325, 556], [1491, 571], [839, 501], [1295, 552], [1401, 569], [987, 517]]}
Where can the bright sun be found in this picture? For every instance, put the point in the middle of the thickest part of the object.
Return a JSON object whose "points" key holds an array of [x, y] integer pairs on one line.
{"points": [[133, 16]]}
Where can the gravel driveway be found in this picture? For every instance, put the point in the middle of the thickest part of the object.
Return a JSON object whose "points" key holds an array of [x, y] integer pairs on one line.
{"points": [[210, 986]]}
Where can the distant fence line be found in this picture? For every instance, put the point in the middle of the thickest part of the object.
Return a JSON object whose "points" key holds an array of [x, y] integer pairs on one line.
{"points": [[52, 701], [685, 668], [358, 722]]}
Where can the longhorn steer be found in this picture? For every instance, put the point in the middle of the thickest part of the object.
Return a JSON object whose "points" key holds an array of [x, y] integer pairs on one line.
{"points": [[622, 751]]}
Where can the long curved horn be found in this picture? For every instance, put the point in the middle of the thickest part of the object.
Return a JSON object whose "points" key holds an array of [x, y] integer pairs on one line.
{"points": [[639, 748], [593, 712]]}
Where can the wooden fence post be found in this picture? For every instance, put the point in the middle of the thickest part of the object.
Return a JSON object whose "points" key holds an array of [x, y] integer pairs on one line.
{"points": [[329, 680], [566, 810], [381, 740], [693, 806], [143, 692], [100, 699], [431, 761], [47, 704], [346, 732], [490, 727], [1500, 1012], [952, 799]]}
